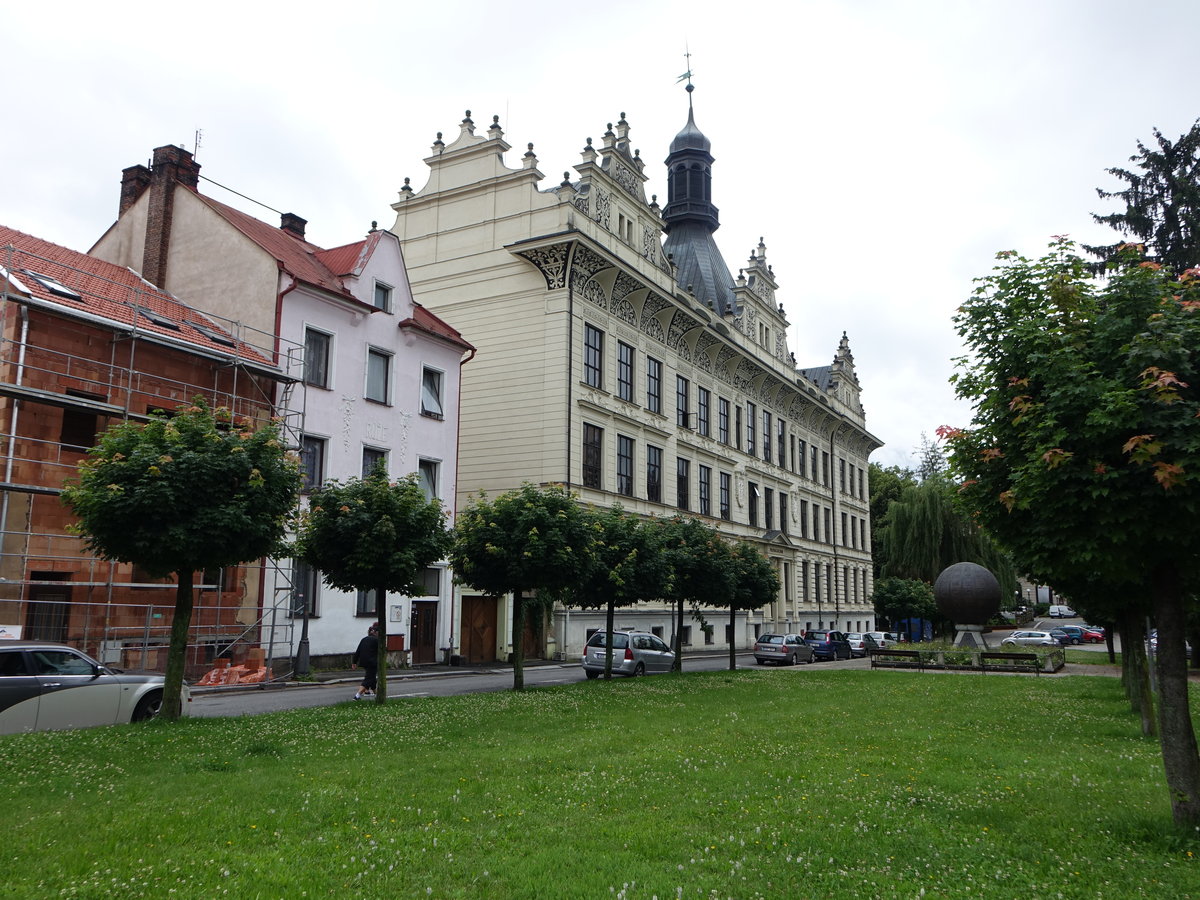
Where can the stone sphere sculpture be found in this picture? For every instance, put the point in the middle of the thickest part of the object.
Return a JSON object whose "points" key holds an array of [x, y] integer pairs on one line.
{"points": [[967, 594]]}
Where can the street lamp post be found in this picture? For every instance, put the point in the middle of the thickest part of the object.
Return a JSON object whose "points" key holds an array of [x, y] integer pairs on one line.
{"points": [[302, 650]]}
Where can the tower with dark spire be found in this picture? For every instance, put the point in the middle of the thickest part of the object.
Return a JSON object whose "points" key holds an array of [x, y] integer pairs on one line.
{"points": [[690, 218]]}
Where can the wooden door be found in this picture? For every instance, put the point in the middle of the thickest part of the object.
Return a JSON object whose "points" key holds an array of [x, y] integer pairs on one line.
{"points": [[477, 641], [424, 633]]}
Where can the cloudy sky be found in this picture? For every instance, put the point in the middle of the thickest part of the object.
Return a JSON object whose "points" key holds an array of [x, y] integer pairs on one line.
{"points": [[884, 150]]}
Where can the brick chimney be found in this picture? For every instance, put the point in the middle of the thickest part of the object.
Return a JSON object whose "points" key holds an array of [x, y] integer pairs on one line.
{"points": [[171, 165], [293, 224], [134, 182]]}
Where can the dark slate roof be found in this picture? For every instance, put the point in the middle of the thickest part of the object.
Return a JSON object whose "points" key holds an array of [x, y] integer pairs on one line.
{"points": [[701, 265], [822, 376], [691, 137]]}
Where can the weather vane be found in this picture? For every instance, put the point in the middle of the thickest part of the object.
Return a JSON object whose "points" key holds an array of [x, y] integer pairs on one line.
{"points": [[686, 76]]}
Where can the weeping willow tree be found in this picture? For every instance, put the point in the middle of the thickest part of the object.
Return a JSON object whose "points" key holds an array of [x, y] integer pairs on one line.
{"points": [[925, 532]]}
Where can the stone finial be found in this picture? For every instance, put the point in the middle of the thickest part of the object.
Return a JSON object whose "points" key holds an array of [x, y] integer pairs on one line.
{"points": [[406, 191], [438, 145], [467, 126], [495, 132], [589, 152], [530, 161], [374, 227]]}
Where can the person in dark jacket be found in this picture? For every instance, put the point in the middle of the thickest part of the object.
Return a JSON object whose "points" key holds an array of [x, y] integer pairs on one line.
{"points": [[367, 656]]}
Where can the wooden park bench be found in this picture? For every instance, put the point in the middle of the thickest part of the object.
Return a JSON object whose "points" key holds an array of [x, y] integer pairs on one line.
{"points": [[896, 659], [1010, 662]]}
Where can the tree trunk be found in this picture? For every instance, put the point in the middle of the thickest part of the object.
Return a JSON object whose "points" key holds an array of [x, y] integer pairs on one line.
{"points": [[518, 642], [608, 624], [677, 666], [381, 658], [1135, 673], [172, 704], [732, 642], [1181, 759]]}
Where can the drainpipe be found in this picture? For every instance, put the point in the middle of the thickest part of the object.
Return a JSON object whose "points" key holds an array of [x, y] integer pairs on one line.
{"points": [[457, 444]]}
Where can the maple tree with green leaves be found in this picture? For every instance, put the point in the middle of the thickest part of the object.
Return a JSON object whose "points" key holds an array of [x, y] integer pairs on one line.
{"points": [[1083, 455]]}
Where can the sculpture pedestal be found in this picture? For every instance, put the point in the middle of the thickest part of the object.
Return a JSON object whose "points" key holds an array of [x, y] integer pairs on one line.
{"points": [[970, 636]]}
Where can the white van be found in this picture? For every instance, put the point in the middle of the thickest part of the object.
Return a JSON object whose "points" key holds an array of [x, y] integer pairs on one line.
{"points": [[1062, 612]]}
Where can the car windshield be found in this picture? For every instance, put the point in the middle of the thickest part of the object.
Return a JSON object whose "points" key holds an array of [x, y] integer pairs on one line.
{"points": [[620, 640]]}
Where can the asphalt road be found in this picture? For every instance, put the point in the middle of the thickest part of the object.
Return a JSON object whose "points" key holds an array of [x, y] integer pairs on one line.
{"points": [[442, 683]]}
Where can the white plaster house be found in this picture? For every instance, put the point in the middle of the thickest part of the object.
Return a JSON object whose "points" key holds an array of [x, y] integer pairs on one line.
{"points": [[620, 356], [376, 375]]}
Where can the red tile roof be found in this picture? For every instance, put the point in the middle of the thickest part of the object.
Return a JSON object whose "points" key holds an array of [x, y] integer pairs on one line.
{"points": [[349, 260], [423, 320], [111, 292]]}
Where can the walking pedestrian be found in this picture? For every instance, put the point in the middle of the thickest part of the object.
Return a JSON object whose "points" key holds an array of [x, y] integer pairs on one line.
{"points": [[367, 656]]}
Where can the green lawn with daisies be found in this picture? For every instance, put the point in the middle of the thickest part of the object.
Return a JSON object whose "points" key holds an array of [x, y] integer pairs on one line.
{"points": [[756, 784]]}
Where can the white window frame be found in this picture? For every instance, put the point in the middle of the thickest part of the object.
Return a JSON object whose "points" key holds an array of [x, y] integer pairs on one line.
{"points": [[379, 353]]}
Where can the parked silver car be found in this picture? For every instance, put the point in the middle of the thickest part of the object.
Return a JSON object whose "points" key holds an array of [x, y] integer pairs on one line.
{"points": [[782, 649], [882, 639], [1030, 638], [46, 686], [634, 653], [858, 646]]}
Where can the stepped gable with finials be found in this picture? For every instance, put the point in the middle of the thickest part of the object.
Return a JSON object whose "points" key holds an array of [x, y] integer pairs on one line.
{"points": [[81, 285]]}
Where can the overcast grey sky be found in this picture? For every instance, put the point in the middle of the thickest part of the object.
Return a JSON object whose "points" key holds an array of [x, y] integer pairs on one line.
{"points": [[885, 151]]}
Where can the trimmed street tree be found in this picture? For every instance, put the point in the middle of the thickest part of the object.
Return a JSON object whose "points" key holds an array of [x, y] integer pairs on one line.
{"points": [[1083, 456], [754, 583], [701, 572], [527, 540], [1162, 203], [371, 534], [627, 566], [181, 494]]}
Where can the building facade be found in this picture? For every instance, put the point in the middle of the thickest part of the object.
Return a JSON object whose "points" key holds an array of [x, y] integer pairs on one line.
{"points": [[618, 355], [378, 374], [85, 344]]}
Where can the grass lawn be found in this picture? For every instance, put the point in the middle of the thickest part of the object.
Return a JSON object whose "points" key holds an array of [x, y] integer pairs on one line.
{"points": [[759, 784]]}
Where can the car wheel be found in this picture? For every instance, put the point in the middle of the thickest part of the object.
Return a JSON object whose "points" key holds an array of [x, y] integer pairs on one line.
{"points": [[148, 707], [1074, 640], [591, 673], [639, 670], [793, 660]]}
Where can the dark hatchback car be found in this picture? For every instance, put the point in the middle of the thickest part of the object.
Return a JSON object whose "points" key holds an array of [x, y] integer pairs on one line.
{"points": [[828, 644], [782, 649]]}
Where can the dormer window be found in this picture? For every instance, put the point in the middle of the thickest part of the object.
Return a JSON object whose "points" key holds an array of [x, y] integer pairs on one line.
{"points": [[54, 286], [383, 297], [160, 321]]}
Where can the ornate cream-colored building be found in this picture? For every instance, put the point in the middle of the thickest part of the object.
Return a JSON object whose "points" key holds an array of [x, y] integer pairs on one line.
{"points": [[617, 354]]}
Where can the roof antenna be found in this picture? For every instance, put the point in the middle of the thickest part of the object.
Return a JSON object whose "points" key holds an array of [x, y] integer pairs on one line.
{"points": [[196, 143]]}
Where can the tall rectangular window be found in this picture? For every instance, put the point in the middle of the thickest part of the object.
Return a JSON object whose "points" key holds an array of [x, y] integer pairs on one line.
{"points": [[737, 426], [722, 420], [781, 440], [312, 463], [830, 537], [816, 522], [824, 468], [427, 477], [371, 456], [815, 471], [592, 458], [682, 392], [842, 474], [769, 508], [364, 604], [861, 489], [751, 426], [783, 512], [625, 371], [802, 458], [723, 499], [753, 506], [704, 476], [845, 541], [624, 465], [306, 583], [653, 385], [316, 357], [683, 487], [862, 533], [431, 393], [80, 426], [854, 532], [379, 376], [383, 297], [803, 518], [593, 356], [767, 437], [654, 474], [703, 411]]}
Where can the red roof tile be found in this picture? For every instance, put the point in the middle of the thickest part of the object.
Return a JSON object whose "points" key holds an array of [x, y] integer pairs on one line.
{"points": [[111, 292], [426, 321]]}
